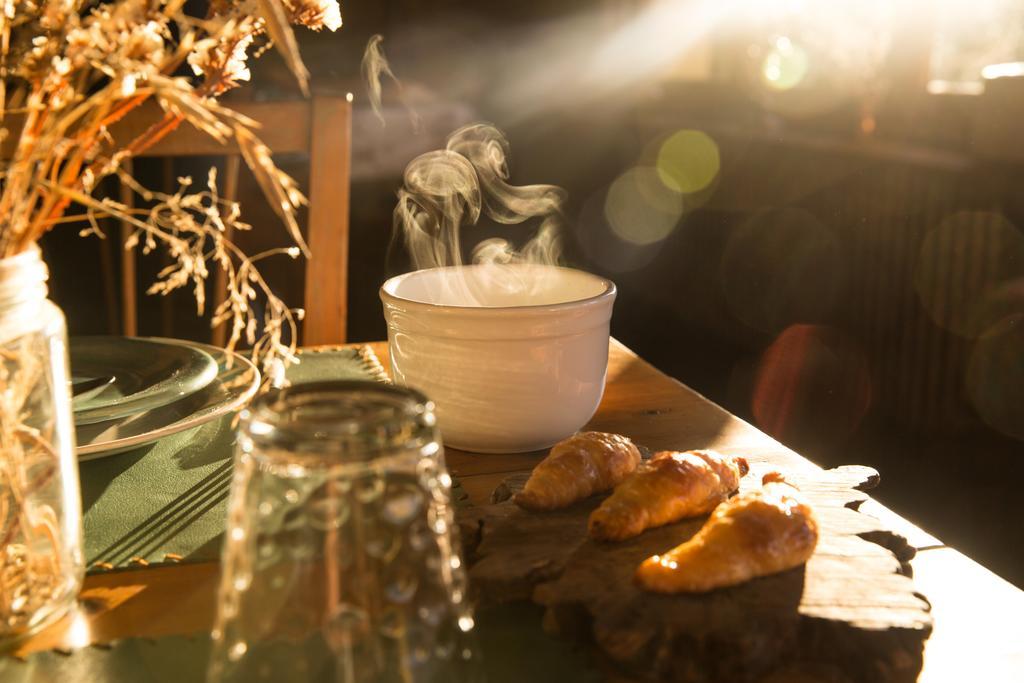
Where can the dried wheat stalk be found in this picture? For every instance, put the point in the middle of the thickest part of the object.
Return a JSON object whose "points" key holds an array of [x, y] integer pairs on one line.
{"points": [[71, 68]]}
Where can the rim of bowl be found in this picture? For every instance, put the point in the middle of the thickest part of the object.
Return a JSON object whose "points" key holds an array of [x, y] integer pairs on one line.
{"points": [[609, 291]]}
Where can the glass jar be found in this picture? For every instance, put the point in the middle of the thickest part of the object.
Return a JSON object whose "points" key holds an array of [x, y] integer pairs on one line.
{"points": [[341, 560], [41, 567]]}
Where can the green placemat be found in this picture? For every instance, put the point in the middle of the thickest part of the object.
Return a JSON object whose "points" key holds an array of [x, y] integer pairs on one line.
{"points": [[511, 644], [138, 660], [170, 498]]}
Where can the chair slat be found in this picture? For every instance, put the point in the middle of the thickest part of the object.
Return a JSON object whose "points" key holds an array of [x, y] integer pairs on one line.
{"points": [[129, 311], [284, 128], [169, 183], [229, 190], [326, 299]]}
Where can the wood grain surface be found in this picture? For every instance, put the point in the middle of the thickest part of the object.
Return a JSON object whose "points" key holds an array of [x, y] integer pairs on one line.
{"points": [[852, 611], [976, 630]]}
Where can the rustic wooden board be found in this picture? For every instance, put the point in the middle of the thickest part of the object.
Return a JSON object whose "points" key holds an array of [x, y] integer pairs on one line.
{"points": [[850, 615]]}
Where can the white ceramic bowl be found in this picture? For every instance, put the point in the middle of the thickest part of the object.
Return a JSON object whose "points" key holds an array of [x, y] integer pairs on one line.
{"points": [[514, 356]]}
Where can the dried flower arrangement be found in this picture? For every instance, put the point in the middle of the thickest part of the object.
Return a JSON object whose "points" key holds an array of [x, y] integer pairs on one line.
{"points": [[73, 68], [70, 70], [34, 562]]}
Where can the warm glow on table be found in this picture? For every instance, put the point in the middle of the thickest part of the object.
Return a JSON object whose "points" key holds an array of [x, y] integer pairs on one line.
{"points": [[977, 614]]}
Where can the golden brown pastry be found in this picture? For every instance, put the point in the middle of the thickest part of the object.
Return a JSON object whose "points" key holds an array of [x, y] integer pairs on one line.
{"points": [[754, 534], [667, 488], [578, 467]]}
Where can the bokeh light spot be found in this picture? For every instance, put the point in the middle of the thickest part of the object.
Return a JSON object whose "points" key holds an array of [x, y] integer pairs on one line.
{"points": [[602, 246], [962, 265], [813, 386], [995, 376], [688, 161], [785, 65], [640, 209]]}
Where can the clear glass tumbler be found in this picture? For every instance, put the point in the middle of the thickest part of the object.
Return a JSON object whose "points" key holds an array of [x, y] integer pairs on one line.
{"points": [[341, 560]]}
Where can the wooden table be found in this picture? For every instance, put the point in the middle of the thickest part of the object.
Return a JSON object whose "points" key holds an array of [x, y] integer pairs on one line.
{"points": [[977, 633]]}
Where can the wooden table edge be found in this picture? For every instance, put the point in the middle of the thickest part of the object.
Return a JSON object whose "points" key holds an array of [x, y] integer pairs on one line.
{"points": [[976, 612]]}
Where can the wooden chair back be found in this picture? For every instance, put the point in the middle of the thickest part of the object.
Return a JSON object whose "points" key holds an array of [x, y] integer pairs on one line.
{"points": [[319, 127]]}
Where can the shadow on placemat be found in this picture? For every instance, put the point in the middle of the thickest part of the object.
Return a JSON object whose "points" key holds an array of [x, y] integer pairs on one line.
{"points": [[104, 472], [169, 500]]}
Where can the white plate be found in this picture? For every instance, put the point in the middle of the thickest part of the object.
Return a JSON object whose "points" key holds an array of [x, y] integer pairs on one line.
{"points": [[236, 382]]}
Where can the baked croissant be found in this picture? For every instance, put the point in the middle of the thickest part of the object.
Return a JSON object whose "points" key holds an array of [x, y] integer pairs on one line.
{"points": [[577, 468], [754, 534], [667, 488]]}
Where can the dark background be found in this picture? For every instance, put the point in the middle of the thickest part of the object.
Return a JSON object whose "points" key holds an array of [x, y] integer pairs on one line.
{"points": [[852, 281]]}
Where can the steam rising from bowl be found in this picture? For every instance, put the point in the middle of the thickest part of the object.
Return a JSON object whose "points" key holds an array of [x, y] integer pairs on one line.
{"points": [[512, 348], [447, 190]]}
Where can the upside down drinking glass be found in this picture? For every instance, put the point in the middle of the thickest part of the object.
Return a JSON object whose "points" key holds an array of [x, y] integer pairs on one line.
{"points": [[341, 560]]}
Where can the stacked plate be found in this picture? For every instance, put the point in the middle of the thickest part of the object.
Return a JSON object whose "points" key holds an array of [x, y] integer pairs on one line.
{"points": [[130, 392]]}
